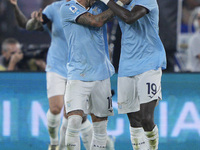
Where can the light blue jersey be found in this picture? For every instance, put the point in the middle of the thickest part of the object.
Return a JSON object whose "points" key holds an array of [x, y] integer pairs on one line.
{"points": [[141, 49], [57, 53], [88, 58]]}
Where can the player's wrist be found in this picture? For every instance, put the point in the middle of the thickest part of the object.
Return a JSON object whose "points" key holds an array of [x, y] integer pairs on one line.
{"points": [[105, 1], [119, 3]]}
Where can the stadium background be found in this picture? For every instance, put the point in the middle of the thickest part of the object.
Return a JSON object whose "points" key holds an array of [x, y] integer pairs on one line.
{"points": [[24, 104], [23, 100]]}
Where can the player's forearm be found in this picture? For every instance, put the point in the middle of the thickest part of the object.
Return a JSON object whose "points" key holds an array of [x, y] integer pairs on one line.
{"points": [[127, 16], [104, 17], [20, 17], [121, 12], [95, 20], [34, 24]]}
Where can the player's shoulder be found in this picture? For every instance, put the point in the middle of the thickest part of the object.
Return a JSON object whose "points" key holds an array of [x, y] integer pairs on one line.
{"points": [[144, 1], [71, 7], [50, 6], [69, 3], [56, 4], [149, 4]]}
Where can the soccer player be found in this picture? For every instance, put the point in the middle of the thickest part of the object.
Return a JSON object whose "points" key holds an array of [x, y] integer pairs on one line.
{"points": [[140, 69], [56, 73], [89, 70]]}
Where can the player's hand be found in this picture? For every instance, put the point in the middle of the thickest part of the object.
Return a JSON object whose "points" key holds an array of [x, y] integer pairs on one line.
{"points": [[37, 15], [125, 1], [13, 2]]}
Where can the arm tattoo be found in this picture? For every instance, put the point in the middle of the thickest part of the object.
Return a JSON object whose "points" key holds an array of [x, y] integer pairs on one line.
{"points": [[85, 19], [95, 20], [105, 16]]}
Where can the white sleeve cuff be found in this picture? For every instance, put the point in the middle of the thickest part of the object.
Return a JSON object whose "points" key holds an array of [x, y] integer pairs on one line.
{"points": [[105, 1], [120, 3]]}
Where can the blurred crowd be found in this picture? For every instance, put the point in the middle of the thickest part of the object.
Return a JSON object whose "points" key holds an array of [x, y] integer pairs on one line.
{"points": [[13, 58], [188, 50], [20, 47]]}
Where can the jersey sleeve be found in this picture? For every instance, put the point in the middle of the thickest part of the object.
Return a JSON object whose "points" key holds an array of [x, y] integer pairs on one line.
{"points": [[47, 14], [70, 12], [148, 4]]}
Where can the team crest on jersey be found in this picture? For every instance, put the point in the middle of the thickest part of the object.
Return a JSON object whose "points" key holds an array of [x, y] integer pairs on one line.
{"points": [[73, 9]]}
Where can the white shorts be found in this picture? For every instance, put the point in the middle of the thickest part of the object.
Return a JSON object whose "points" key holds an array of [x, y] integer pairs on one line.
{"points": [[56, 84], [139, 89], [91, 97]]}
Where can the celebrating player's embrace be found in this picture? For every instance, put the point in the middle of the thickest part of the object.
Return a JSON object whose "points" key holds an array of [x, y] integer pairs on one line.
{"points": [[79, 70], [89, 70]]}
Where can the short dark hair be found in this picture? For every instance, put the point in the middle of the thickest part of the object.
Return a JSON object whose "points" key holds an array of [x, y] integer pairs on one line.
{"points": [[8, 41]]}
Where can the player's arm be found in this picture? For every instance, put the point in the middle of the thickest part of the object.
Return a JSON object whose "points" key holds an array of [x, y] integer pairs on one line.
{"points": [[95, 20], [127, 16], [20, 17], [36, 21]]}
